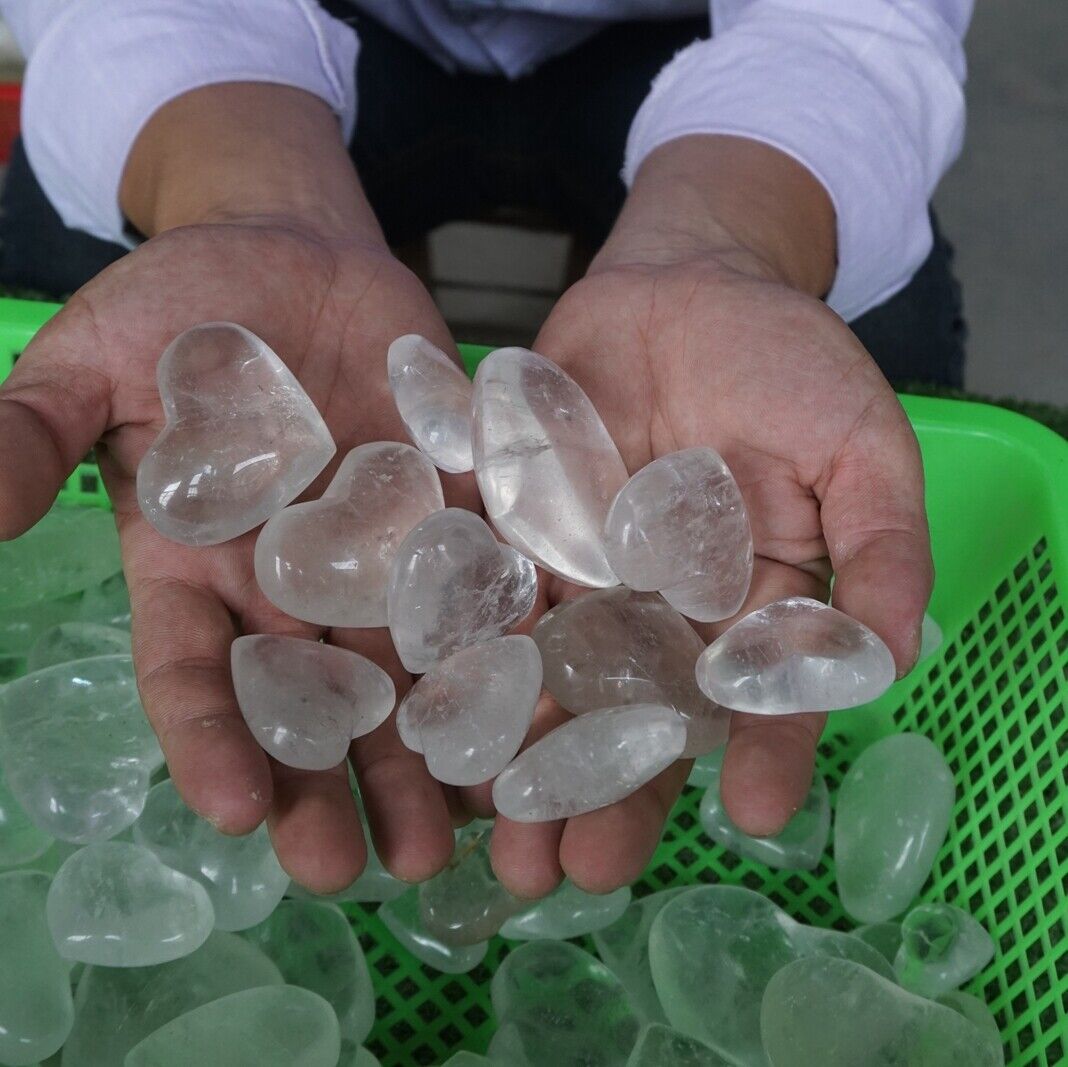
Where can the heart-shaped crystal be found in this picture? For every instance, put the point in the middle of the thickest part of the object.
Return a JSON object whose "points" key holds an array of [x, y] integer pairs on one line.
{"points": [[20, 840], [116, 905], [242, 438], [328, 561], [454, 584], [433, 396], [403, 918], [565, 913], [76, 749], [941, 948], [76, 640], [305, 701], [546, 466]]}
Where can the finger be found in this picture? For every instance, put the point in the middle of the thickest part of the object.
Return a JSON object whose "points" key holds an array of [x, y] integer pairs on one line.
{"points": [[406, 808], [875, 527]]}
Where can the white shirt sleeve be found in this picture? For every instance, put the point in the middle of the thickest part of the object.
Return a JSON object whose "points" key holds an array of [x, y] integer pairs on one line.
{"points": [[99, 69], [867, 94]]}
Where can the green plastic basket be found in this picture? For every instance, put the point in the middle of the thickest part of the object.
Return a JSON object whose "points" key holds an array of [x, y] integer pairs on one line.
{"points": [[993, 699]]}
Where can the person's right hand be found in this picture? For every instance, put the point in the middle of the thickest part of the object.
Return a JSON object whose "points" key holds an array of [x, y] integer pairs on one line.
{"points": [[328, 299]]}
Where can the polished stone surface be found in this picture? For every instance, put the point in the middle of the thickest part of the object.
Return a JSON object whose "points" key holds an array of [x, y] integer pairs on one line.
{"points": [[713, 951], [453, 584], [884, 937], [613, 647], [327, 561], [76, 749], [893, 812], [820, 1012], [275, 1026], [546, 466], [76, 640], [565, 913], [403, 919], [305, 701], [660, 1046], [941, 948], [680, 525], [590, 762], [973, 1009], [799, 846], [469, 714], [242, 438], [36, 1011], [930, 638], [20, 840], [433, 396], [241, 875], [795, 655], [115, 904], [107, 603]]}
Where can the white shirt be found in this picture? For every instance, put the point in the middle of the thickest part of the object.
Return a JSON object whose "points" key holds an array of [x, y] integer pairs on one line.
{"points": [[867, 94]]}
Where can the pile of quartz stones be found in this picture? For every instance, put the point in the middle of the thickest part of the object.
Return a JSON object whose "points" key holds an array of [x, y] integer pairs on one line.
{"points": [[134, 934]]}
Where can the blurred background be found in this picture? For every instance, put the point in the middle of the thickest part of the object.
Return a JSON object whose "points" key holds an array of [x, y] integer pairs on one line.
{"points": [[1004, 206]]}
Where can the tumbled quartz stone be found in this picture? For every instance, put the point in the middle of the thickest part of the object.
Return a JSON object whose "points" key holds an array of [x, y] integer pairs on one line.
{"points": [[614, 647], [973, 1009], [795, 655], [20, 627], [107, 603], [118, 1007], [893, 812], [885, 938], [941, 948], [465, 904], [76, 640], [565, 913], [242, 438], [798, 846], [469, 714], [403, 919], [305, 701], [712, 952], [562, 1006], [36, 1011], [930, 638], [241, 875], [624, 948], [328, 561], [315, 947], [821, 1012], [433, 396], [116, 905], [355, 1056], [20, 840], [453, 584], [660, 1046], [69, 550], [546, 466], [680, 525], [589, 762], [274, 1026], [76, 748]]}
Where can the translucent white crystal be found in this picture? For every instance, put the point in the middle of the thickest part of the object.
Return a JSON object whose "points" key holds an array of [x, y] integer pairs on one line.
{"points": [[242, 438], [328, 561], [76, 749], [930, 637], [884, 937], [36, 1012], [565, 913], [660, 1046], [433, 396], [941, 948], [107, 603], [680, 525], [76, 640], [241, 875], [454, 584], [974, 1010], [20, 840], [795, 655], [305, 701], [314, 947], [614, 647], [118, 1007], [115, 904], [273, 1026], [355, 1056], [546, 466], [403, 919], [469, 714], [590, 762]]}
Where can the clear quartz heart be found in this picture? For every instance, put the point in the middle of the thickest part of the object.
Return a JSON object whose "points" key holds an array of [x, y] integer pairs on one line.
{"points": [[454, 584], [328, 561], [20, 840], [546, 466], [792, 656], [565, 913], [242, 438], [403, 919], [433, 396], [941, 948], [305, 701], [660, 1046]]}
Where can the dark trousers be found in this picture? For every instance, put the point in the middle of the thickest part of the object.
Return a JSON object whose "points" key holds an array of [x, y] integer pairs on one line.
{"points": [[431, 147]]}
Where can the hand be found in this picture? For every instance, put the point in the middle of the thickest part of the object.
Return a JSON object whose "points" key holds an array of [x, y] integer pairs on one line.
{"points": [[320, 287], [681, 338]]}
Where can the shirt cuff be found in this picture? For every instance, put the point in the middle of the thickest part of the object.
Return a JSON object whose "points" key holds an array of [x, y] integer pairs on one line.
{"points": [[876, 118], [104, 67]]}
